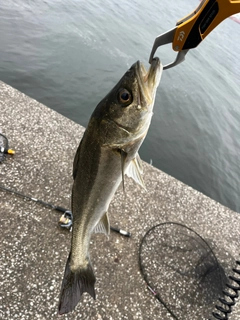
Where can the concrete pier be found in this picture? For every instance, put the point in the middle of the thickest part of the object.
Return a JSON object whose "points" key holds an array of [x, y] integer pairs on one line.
{"points": [[34, 248]]}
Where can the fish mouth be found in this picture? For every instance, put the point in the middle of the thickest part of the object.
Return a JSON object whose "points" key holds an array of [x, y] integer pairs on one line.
{"points": [[153, 75], [149, 80]]}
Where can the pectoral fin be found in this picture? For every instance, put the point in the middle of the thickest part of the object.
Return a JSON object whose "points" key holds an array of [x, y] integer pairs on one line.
{"points": [[135, 170], [103, 225]]}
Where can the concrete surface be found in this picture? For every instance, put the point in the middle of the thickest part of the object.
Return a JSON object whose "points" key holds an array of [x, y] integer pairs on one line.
{"points": [[34, 248]]}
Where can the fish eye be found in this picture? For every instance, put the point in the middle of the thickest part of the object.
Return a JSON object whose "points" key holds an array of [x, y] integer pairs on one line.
{"points": [[125, 96]]}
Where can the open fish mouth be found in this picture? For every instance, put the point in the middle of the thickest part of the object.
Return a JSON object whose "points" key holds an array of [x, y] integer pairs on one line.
{"points": [[148, 81], [150, 78]]}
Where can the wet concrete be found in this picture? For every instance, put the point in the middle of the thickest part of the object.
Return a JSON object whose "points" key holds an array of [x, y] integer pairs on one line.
{"points": [[34, 248]]}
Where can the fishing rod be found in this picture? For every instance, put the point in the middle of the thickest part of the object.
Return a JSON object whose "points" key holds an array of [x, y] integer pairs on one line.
{"points": [[66, 219]]}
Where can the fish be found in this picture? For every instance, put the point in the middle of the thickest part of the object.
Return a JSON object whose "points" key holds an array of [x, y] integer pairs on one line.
{"points": [[108, 150]]}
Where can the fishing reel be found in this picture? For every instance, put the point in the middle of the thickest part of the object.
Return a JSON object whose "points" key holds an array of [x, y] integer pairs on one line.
{"points": [[66, 220]]}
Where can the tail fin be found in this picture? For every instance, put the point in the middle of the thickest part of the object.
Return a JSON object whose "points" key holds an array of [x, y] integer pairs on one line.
{"points": [[73, 286]]}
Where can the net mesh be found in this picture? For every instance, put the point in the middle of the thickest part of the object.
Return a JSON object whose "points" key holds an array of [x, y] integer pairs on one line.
{"points": [[181, 268]]}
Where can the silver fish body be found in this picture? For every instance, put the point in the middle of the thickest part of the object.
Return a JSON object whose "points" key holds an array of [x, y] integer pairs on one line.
{"points": [[107, 151]]}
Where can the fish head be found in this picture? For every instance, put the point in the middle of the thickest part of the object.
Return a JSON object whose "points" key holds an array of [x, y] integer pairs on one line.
{"points": [[128, 106]]}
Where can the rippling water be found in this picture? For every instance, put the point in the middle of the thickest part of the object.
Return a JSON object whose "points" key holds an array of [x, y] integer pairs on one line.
{"points": [[69, 54]]}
